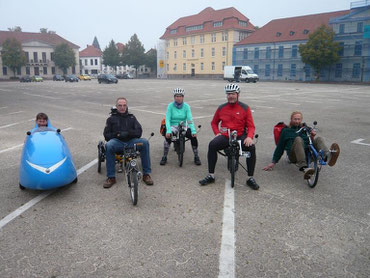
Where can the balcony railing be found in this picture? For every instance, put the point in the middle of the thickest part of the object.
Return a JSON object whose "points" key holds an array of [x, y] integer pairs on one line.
{"points": [[359, 4], [41, 62]]}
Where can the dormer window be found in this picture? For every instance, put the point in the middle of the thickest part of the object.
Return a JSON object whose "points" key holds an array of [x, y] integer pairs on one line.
{"points": [[173, 31], [291, 33], [217, 24], [305, 31], [278, 34]]}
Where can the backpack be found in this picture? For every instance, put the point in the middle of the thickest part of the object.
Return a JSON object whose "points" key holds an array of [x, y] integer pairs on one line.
{"points": [[277, 131], [162, 129]]}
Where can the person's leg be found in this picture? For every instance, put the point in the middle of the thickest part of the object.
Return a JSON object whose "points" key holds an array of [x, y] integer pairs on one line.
{"points": [[297, 153], [194, 146], [166, 148], [331, 155], [112, 146], [251, 164]]}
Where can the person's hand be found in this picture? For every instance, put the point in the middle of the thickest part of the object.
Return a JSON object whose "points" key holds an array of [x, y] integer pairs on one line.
{"points": [[248, 142], [122, 134], [218, 134], [168, 135], [194, 135], [313, 132], [269, 167]]}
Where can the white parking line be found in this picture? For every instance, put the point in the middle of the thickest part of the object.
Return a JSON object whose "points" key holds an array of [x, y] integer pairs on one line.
{"points": [[3, 107], [141, 110], [9, 125], [359, 142], [34, 95], [202, 117], [227, 253], [15, 112], [38, 198]]}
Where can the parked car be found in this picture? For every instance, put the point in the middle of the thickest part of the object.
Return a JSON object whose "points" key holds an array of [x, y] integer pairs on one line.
{"points": [[85, 77], [37, 78], [25, 78], [58, 77], [71, 78], [124, 76], [107, 78]]}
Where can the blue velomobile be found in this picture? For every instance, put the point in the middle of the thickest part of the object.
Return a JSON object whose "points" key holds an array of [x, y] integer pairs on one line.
{"points": [[46, 162]]}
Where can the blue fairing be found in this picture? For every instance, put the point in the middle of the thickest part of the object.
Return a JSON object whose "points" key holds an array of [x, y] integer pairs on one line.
{"points": [[46, 162]]}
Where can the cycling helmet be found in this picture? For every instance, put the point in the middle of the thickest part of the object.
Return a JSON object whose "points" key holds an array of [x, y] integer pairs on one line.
{"points": [[232, 88], [178, 91]]}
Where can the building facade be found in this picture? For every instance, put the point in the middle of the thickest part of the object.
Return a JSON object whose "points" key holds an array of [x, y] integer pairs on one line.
{"points": [[39, 50], [201, 45], [91, 61], [272, 51]]}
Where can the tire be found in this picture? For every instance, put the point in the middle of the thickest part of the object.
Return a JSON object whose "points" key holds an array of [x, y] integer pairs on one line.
{"points": [[99, 159], [247, 80], [312, 181], [181, 150], [75, 180], [133, 186], [21, 187], [232, 170]]}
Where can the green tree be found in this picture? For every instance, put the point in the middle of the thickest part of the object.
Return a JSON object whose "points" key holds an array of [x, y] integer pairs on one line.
{"points": [[64, 57], [320, 50], [12, 54], [15, 29], [111, 55], [134, 53], [151, 60]]}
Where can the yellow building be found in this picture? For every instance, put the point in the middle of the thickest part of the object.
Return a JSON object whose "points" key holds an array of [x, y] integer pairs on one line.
{"points": [[201, 45]]}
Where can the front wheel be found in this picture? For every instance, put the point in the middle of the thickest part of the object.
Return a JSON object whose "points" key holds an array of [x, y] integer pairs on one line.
{"points": [[312, 181], [181, 150], [232, 170], [133, 186]]}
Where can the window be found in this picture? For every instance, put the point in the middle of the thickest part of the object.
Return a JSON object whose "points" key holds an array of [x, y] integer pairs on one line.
{"points": [[184, 42], [293, 69], [341, 29], [184, 66], [167, 67], [85, 62], [294, 51], [213, 66], [86, 71], [52, 70], [358, 48], [256, 69], [356, 70], [243, 23], [281, 52], [224, 36], [291, 33], [175, 67], [201, 52], [28, 72], [175, 54], [341, 49], [338, 70], [184, 54], [44, 57], [96, 62], [268, 52], [217, 24], [201, 38], [278, 34], [307, 71], [280, 70], [91, 62], [223, 65], [27, 57], [5, 71], [35, 57], [256, 53], [213, 37], [201, 66], [73, 70], [213, 52], [192, 53], [360, 27], [193, 40], [223, 51], [193, 28], [242, 35], [267, 70], [173, 31], [245, 53], [36, 71], [305, 31], [45, 70], [19, 71], [167, 55], [175, 42]]}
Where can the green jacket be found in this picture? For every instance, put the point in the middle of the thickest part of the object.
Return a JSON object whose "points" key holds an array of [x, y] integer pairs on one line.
{"points": [[286, 140], [175, 115]]}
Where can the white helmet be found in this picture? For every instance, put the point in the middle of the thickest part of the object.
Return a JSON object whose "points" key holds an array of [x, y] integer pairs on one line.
{"points": [[232, 88], [178, 91]]}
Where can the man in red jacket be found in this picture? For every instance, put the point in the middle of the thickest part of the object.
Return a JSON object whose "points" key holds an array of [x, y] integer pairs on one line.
{"points": [[233, 115]]}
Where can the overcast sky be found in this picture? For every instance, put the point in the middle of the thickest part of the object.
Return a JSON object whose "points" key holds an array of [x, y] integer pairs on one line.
{"points": [[79, 21]]}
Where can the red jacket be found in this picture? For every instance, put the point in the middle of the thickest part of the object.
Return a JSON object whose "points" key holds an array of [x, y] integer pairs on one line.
{"points": [[236, 116]]}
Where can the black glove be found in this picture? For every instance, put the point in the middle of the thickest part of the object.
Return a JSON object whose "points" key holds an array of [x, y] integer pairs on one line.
{"points": [[122, 134]]}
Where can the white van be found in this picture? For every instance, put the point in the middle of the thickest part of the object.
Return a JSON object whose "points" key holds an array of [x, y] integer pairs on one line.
{"points": [[245, 73]]}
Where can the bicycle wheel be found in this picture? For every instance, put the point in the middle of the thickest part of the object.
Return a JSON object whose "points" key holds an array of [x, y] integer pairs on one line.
{"points": [[232, 170], [134, 186], [312, 181], [181, 149], [99, 159]]}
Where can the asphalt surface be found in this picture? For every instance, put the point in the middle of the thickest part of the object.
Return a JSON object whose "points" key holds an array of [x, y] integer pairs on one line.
{"points": [[285, 229]]}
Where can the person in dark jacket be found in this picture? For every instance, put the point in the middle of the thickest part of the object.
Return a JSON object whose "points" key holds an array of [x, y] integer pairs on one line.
{"points": [[233, 115], [122, 129], [295, 145]]}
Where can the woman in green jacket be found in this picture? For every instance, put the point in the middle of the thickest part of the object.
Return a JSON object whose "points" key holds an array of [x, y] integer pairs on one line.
{"points": [[179, 111]]}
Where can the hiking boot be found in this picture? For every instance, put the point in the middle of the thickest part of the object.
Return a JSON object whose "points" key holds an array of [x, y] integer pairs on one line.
{"points": [[207, 180], [163, 160], [251, 182], [109, 182], [308, 172], [120, 169], [333, 154], [147, 179], [197, 160]]}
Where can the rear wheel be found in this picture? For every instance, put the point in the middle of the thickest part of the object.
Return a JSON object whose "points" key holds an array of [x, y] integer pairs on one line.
{"points": [[312, 181], [133, 185], [232, 170]]}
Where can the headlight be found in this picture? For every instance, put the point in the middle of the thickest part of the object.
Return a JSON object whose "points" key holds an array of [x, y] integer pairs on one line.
{"points": [[133, 163]]}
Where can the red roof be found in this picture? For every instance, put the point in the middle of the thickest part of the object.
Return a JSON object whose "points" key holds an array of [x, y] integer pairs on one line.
{"points": [[290, 29], [120, 46], [229, 16], [91, 51], [24, 37]]}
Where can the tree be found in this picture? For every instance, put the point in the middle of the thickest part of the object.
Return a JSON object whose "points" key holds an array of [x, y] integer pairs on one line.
{"points": [[320, 50], [15, 29], [111, 55], [151, 59], [12, 55], [64, 57], [45, 31], [96, 43], [133, 53]]}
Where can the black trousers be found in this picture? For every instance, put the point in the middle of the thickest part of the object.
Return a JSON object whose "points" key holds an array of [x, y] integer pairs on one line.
{"points": [[221, 142]]}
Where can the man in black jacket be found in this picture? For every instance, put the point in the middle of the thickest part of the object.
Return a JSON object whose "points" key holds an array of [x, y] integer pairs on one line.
{"points": [[122, 129]]}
